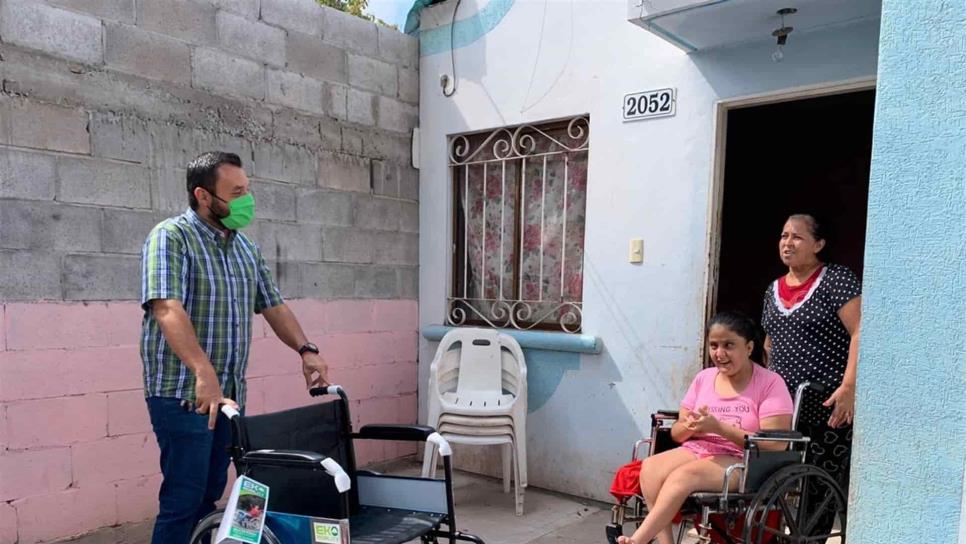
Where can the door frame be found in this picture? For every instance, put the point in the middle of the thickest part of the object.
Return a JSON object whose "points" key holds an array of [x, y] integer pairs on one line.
{"points": [[716, 199]]}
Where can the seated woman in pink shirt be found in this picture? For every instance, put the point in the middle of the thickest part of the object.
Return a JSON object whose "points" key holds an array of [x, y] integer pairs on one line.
{"points": [[733, 398]]}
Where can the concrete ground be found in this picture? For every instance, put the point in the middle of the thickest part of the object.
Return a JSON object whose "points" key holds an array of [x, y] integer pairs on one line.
{"points": [[484, 510], [481, 508]]}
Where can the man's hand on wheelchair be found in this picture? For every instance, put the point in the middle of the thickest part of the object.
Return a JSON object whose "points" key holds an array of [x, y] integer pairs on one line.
{"points": [[315, 370], [208, 396], [701, 422], [842, 402]]}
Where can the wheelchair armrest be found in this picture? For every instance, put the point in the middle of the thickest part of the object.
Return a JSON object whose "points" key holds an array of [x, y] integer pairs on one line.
{"points": [[637, 447], [790, 438], [777, 435], [413, 433], [308, 460], [669, 413], [286, 458], [387, 431]]}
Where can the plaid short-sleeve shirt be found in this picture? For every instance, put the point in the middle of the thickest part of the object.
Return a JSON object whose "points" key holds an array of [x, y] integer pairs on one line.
{"points": [[222, 281]]}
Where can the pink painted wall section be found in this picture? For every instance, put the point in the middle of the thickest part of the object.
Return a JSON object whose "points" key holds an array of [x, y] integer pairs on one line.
{"points": [[74, 431]]}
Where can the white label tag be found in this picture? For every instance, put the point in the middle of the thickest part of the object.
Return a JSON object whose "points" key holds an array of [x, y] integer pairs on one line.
{"points": [[330, 532]]}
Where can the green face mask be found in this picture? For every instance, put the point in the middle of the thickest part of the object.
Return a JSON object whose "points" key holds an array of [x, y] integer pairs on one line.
{"points": [[241, 211]]}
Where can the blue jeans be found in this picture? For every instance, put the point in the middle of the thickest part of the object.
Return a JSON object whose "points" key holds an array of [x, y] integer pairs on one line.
{"points": [[194, 464]]}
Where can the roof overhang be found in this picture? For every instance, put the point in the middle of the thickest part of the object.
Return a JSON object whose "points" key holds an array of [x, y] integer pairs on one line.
{"points": [[698, 25]]}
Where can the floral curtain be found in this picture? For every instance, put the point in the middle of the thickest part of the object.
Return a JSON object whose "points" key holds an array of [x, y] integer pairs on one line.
{"points": [[538, 189]]}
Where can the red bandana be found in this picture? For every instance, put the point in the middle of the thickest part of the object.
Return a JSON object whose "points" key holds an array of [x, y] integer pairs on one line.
{"points": [[792, 295]]}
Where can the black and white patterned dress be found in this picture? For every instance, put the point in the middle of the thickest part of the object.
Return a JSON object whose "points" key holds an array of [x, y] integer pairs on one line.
{"points": [[810, 343]]}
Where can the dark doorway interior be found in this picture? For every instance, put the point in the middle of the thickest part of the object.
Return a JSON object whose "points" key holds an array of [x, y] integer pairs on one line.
{"points": [[804, 156]]}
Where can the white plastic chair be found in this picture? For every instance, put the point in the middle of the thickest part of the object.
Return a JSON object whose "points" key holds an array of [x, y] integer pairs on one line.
{"points": [[477, 395], [459, 427]]}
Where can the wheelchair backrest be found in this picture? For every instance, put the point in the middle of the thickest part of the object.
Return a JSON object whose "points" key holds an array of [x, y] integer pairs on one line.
{"points": [[321, 428]]}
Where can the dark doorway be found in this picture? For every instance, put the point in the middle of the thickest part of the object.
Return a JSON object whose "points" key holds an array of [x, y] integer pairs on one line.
{"points": [[803, 156]]}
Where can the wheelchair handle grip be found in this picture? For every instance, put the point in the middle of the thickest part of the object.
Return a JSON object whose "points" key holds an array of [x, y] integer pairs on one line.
{"points": [[799, 393], [816, 386], [229, 411], [329, 390]]}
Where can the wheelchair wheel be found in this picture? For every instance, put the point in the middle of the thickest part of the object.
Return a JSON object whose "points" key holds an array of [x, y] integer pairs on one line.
{"points": [[782, 512], [206, 529]]}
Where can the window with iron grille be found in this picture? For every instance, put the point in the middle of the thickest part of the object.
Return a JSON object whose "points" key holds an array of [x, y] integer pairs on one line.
{"points": [[519, 201]]}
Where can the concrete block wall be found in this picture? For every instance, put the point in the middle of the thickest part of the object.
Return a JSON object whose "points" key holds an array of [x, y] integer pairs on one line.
{"points": [[102, 103]]}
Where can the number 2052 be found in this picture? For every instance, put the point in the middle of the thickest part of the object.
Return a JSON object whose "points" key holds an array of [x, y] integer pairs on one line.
{"points": [[659, 103]]}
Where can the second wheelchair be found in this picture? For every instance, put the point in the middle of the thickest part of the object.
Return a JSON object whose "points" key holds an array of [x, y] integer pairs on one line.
{"points": [[780, 498]]}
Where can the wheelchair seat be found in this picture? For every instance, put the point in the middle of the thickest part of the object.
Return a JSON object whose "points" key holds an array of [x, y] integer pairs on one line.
{"points": [[376, 525]]}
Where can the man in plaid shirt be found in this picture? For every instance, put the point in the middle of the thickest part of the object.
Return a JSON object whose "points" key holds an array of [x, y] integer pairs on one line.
{"points": [[201, 282]]}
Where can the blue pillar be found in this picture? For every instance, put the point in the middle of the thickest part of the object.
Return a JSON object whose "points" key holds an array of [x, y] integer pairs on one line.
{"points": [[910, 441]]}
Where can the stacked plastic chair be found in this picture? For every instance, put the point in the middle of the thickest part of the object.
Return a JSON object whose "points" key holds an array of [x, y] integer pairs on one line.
{"points": [[478, 396]]}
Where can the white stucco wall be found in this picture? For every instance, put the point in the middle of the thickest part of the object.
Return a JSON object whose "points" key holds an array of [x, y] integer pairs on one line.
{"points": [[648, 179]]}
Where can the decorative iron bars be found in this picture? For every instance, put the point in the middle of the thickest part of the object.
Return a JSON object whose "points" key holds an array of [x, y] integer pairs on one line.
{"points": [[519, 203]]}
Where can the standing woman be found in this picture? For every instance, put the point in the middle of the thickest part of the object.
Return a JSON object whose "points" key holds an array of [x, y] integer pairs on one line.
{"points": [[811, 321]]}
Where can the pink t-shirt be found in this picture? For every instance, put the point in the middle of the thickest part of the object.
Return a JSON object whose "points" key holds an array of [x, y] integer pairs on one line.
{"points": [[765, 395]]}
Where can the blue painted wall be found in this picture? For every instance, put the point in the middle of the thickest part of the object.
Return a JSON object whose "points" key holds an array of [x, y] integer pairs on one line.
{"points": [[467, 30], [910, 449]]}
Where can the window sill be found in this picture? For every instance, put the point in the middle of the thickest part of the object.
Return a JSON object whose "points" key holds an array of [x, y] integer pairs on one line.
{"points": [[554, 341]]}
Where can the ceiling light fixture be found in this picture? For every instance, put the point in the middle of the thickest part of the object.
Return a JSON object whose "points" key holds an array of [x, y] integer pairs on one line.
{"points": [[782, 34]]}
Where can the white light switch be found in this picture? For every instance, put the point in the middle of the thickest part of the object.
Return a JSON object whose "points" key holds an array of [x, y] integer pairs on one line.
{"points": [[636, 253]]}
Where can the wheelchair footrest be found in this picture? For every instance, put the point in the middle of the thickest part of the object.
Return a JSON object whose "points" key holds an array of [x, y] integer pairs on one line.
{"points": [[377, 525], [613, 531]]}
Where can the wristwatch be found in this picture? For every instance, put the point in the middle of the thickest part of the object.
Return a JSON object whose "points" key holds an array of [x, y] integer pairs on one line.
{"points": [[308, 347]]}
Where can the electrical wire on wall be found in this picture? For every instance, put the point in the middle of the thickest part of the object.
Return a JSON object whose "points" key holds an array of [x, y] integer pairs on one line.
{"points": [[444, 79], [536, 61]]}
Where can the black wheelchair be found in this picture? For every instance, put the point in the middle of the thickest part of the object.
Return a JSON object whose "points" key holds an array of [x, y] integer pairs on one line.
{"points": [[780, 499], [305, 455]]}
